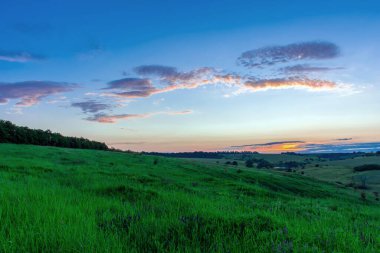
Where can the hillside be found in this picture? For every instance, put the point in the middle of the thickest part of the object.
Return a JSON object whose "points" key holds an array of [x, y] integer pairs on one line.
{"points": [[73, 200]]}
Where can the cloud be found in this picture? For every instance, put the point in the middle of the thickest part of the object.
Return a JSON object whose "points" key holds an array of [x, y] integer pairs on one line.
{"points": [[130, 84], [267, 144], [271, 147], [267, 56], [104, 118], [159, 70], [305, 68], [31, 92], [91, 106], [341, 148], [132, 87], [291, 82], [169, 79], [19, 56], [155, 79], [306, 147], [343, 139]]}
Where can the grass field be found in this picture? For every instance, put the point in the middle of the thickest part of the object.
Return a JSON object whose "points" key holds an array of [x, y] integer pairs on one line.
{"points": [[66, 200]]}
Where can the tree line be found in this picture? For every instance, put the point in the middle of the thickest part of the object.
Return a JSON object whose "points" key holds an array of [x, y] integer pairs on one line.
{"points": [[10, 133], [201, 154]]}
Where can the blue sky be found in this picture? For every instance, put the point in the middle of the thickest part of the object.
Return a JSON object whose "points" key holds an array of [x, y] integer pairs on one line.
{"points": [[195, 75]]}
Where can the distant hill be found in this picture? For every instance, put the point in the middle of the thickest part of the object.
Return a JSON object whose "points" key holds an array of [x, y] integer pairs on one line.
{"points": [[10, 133]]}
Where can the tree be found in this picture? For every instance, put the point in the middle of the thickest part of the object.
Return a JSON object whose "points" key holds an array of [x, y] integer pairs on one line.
{"points": [[10, 133]]}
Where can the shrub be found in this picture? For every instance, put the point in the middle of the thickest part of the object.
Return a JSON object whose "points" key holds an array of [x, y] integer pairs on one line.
{"points": [[367, 167], [249, 163], [363, 196], [376, 196], [234, 163], [264, 164]]}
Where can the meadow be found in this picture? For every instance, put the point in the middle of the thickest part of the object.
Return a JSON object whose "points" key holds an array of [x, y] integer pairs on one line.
{"points": [[73, 200]]}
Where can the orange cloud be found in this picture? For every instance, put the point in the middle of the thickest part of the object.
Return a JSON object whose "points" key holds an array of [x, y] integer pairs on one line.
{"points": [[272, 147], [287, 83]]}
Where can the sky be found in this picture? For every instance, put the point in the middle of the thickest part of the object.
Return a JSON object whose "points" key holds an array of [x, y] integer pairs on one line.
{"points": [[174, 76]]}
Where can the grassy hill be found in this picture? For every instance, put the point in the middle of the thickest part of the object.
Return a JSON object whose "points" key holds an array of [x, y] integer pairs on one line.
{"points": [[66, 200]]}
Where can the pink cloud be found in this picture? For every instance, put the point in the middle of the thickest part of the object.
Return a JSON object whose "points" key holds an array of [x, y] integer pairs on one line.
{"points": [[31, 92]]}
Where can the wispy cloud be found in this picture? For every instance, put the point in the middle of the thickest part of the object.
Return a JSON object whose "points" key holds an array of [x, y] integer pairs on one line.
{"points": [[271, 147], [131, 87], [267, 144], [104, 118], [145, 87], [307, 147], [287, 83], [169, 79], [305, 68], [343, 139], [31, 92], [267, 56], [91, 106], [19, 56], [159, 70], [155, 79], [341, 147]]}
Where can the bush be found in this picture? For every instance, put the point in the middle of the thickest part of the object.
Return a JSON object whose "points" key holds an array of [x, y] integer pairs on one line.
{"points": [[363, 196], [249, 163], [367, 167], [234, 163], [263, 164]]}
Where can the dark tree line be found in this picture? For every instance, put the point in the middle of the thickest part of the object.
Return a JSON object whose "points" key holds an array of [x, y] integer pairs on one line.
{"points": [[260, 163], [201, 154], [10, 133]]}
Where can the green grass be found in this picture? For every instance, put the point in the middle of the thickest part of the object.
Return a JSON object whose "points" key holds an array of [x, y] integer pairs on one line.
{"points": [[65, 200]]}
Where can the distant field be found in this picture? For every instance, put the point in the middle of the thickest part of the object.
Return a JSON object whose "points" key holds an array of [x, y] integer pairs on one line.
{"points": [[66, 200], [335, 171]]}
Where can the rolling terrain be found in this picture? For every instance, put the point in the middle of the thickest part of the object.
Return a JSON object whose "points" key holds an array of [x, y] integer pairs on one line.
{"points": [[73, 200]]}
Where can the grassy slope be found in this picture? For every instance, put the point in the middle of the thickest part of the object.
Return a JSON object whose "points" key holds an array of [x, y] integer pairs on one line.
{"points": [[62, 200]]}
